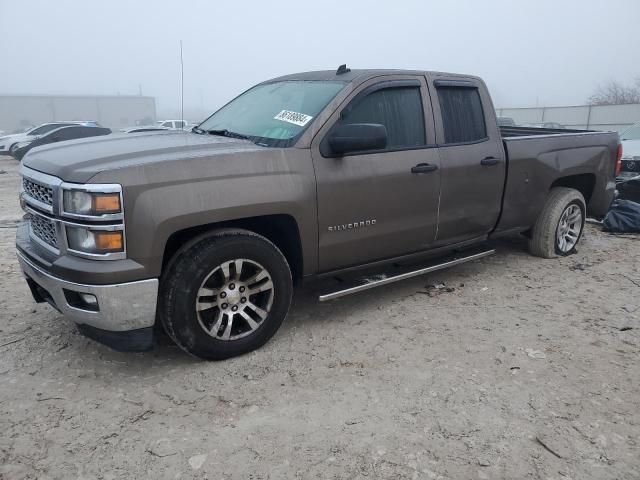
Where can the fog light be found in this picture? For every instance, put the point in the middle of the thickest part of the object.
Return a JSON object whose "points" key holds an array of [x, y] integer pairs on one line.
{"points": [[89, 299], [81, 300]]}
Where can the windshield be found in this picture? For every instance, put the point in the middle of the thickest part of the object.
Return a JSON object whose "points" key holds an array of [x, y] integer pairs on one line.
{"points": [[274, 114], [42, 129], [631, 133]]}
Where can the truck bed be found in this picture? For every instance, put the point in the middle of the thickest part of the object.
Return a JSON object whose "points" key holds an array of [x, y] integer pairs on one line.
{"points": [[539, 159], [508, 132]]}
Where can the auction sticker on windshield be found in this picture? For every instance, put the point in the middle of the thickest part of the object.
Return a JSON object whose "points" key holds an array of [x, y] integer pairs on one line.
{"points": [[296, 118]]}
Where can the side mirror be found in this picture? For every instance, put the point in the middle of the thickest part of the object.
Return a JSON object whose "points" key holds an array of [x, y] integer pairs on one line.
{"points": [[356, 137]]}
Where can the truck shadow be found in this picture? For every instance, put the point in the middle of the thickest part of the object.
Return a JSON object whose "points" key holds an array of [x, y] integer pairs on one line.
{"points": [[306, 311], [306, 308]]}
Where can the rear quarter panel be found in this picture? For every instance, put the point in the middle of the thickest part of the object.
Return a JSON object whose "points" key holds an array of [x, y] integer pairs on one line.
{"points": [[535, 163]]}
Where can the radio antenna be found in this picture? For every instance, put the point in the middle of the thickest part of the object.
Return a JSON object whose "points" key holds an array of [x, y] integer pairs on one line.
{"points": [[181, 86]]}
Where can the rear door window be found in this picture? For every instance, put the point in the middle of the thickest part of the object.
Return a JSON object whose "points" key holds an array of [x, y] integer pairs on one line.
{"points": [[462, 114]]}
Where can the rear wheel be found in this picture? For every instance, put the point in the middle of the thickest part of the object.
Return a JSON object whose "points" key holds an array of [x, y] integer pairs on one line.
{"points": [[559, 227], [225, 295]]}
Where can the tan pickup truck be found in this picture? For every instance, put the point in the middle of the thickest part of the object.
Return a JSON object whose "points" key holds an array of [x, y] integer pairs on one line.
{"points": [[313, 174]]}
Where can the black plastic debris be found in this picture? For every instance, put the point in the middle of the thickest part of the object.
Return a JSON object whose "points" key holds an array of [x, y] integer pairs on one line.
{"points": [[623, 217]]}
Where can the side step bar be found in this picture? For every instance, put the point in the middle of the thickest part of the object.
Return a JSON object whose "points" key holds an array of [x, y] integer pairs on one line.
{"points": [[403, 276]]}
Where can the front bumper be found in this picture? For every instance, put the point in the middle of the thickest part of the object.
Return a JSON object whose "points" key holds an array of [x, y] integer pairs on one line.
{"points": [[122, 310], [624, 176]]}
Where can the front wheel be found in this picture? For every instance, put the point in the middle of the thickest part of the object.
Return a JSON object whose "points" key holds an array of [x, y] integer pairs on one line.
{"points": [[225, 295], [559, 227]]}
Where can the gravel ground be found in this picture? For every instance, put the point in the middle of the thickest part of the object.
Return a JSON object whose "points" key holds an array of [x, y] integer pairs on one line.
{"points": [[518, 368]]}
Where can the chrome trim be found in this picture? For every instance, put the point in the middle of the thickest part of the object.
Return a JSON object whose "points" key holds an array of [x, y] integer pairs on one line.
{"points": [[40, 177], [403, 276], [96, 256], [43, 179], [28, 199], [91, 188], [41, 242], [122, 306], [63, 244], [56, 214], [38, 240]]}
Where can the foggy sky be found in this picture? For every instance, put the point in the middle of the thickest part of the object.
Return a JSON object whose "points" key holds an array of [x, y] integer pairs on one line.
{"points": [[545, 52]]}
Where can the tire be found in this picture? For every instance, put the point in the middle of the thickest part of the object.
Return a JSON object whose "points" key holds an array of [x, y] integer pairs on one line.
{"points": [[238, 311], [563, 205]]}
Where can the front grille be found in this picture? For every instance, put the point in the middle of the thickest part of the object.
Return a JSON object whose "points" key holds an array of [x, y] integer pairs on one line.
{"points": [[40, 192], [631, 166], [44, 229]]}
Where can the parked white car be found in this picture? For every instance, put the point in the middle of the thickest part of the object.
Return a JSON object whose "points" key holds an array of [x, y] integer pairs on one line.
{"points": [[9, 143], [630, 139], [173, 124], [144, 129]]}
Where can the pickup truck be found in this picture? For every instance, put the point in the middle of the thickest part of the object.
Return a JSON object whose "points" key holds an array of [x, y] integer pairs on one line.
{"points": [[303, 176]]}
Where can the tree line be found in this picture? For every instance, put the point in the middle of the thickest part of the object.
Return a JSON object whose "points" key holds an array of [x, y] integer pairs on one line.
{"points": [[616, 93]]}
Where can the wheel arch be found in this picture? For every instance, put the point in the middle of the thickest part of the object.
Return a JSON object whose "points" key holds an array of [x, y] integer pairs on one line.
{"points": [[280, 229], [583, 182]]}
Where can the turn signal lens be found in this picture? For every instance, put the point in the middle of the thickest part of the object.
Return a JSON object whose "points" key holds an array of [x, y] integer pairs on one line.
{"points": [[92, 204], [82, 239], [108, 241], [106, 203]]}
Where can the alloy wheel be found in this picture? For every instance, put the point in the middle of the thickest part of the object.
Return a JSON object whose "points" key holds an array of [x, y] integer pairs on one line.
{"points": [[569, 228], [234, 299]]}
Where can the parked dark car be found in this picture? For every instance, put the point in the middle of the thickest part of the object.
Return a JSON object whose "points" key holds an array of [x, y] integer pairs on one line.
{"points": [[59, 135], [506, 122]]}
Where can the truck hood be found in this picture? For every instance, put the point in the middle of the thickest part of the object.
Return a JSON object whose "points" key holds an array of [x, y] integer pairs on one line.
{"points": [[630, 148], [78, 161]]}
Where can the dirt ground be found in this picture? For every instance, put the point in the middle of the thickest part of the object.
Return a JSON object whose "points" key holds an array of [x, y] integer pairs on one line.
{"points": [[517, 368]]}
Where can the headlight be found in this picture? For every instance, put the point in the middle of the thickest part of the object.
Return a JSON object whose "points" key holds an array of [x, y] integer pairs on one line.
{"points": [[94, 204], [23, 144], [87, 240]]}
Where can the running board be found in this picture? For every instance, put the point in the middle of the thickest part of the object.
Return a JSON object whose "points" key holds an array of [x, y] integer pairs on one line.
{"points": [[369, 283]]}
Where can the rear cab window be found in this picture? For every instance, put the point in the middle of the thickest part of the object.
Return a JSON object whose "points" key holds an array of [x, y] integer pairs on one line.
{"points": [[462, 113]]}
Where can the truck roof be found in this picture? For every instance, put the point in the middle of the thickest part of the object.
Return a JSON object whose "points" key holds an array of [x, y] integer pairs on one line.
{"points": [[358, 75]]}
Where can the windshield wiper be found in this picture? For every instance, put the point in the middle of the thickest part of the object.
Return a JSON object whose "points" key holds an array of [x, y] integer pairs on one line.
{"points": [[227, 133], [198, 130]]}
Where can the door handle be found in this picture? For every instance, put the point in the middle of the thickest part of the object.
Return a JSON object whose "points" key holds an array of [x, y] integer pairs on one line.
{"points": [[488, 161], [424, 168]]}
